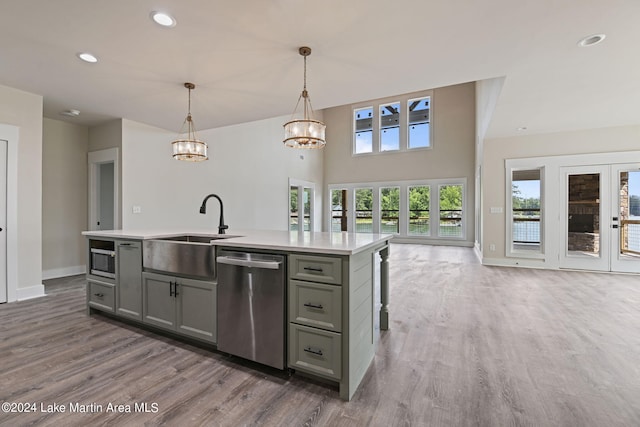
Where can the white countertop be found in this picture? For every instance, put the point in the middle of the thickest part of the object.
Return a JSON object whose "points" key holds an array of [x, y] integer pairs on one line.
{"points": [[340, 243]]}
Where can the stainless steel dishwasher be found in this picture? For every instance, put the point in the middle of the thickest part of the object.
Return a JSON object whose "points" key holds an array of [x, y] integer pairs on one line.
{"points": [[251, 306]]}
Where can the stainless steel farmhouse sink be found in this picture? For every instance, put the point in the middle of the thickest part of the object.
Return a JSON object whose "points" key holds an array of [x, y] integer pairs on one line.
{"points": [[187, 255]]}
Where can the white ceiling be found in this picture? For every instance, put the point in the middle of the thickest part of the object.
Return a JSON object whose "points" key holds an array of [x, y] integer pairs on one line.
{"points": [[242, 56]]}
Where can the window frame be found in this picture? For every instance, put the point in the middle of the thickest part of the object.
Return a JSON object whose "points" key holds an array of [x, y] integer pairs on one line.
{"points": [[403, 124], [403, 235]]}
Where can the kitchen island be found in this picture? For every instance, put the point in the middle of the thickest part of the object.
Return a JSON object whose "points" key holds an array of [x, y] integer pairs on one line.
{"points": [[330, 290]]}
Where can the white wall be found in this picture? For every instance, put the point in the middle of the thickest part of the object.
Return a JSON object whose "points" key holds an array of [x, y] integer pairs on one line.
{"points": [[452, 155], [248, 167], [496, 151], [24, 111], [64, 198]]}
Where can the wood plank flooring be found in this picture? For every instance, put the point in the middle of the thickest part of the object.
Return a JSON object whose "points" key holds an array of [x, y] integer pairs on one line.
{"points": [[469, 345]]}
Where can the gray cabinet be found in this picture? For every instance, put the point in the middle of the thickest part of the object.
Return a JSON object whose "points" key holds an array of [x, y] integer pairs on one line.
{"points": [[129, 279], [101, 295], [178, 304], [315, 315]]}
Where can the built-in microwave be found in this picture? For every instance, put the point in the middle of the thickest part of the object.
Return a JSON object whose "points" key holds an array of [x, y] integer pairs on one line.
{"points": [[103, 258]]}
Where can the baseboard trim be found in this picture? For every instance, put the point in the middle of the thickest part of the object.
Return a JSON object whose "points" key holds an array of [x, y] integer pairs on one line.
{"points": [[501, 262], [31, 292], [54, 273]]}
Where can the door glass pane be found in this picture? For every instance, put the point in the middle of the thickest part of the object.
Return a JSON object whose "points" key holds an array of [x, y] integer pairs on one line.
{"points": [[419, 210], [583, 211], [389, 210], [525, 198], [339, 210], [630, 214], [364, 212], [293, 208], [450, 211], [307, 196]]}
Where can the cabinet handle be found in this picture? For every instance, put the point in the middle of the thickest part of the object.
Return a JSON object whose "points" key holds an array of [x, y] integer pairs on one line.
{"points": [[125, 244], [317, 352], [175, 289], [170, 289], [99, 295], [310, 305], [316, 269]]}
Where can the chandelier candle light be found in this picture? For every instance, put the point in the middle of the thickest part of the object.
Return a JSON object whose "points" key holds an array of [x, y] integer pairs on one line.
{"points": [[305, 132], [189, 147]]}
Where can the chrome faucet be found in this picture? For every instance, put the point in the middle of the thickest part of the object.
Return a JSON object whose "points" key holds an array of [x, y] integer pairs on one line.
{"points": [[203, 210]]}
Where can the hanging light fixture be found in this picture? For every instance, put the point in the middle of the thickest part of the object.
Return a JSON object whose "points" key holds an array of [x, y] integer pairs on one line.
{"points": [[188, 147], [305, 132]]}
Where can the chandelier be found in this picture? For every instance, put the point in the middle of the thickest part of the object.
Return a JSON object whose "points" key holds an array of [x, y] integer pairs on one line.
{"points": [[188, 147], [305, 132]]}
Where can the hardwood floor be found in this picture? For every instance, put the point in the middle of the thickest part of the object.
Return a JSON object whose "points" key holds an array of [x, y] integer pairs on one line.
{"points": [[469, 345]]}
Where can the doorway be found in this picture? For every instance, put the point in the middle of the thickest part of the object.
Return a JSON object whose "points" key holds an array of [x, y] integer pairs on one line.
{"points": [[103, 190], [4, 145], [301, 205], [600, 217]]}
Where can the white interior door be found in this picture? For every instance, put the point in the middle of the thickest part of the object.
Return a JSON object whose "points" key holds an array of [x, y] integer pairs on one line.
{"points": [[585, 217], [3, 220], [625, 231]]}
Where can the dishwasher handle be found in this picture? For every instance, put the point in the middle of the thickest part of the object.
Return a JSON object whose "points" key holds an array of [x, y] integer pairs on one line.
{"points": [[269, 265]]}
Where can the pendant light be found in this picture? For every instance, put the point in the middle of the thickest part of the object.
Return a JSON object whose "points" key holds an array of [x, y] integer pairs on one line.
{"points": [[188, 147], [305, 132]]}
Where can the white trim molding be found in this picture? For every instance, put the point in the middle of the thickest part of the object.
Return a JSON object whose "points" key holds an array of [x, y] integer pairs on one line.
{"points": [[31, 292]]}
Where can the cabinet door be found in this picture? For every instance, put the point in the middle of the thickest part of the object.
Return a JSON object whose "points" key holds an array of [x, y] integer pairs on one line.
{"points": [[129, 279], [197, 309], [158, 302]]}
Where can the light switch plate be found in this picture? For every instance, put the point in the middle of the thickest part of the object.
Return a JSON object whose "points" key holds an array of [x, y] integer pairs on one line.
{"points": [[496, 210]]}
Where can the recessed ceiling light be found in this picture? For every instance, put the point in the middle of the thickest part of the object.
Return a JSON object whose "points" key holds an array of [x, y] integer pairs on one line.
{"points": [[71, 113], [522, 128], [591, 40], [163, 19], [87, 57]]}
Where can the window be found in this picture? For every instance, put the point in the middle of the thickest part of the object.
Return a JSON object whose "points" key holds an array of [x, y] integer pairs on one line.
{"points": [[419, 200], [364, 211], [390, 210], [526, 207], [394, 126], [339, 210], [419, 122], [450, 211], [363, 125], [400, 207], [390, 127]]}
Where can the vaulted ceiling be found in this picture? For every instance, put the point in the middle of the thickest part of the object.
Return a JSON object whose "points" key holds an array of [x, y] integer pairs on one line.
{"points": [[243, 57]]}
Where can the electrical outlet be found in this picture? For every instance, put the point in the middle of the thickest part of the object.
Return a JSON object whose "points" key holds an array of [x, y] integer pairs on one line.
{"points": [[492, 247], [137, 209]]}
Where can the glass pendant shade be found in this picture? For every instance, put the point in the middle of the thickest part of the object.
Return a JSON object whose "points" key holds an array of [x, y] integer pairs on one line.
{"points": [[187, 146], [305, 132]]}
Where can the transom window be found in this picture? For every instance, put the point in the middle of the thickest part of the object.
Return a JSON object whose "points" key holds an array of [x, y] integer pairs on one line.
{"points": [[395, 126]]}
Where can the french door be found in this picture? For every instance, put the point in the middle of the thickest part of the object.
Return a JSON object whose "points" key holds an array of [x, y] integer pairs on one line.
{"points": [[600, 217]]}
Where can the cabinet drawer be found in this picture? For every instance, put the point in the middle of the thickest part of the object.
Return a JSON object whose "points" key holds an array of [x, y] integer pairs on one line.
{"points": [[315, 351], [101, 295], [316, 269], [314, 304]]}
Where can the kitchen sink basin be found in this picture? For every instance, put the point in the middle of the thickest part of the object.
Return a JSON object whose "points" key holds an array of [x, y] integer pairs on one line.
{"points": [[194, 239], [185, 255]]}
